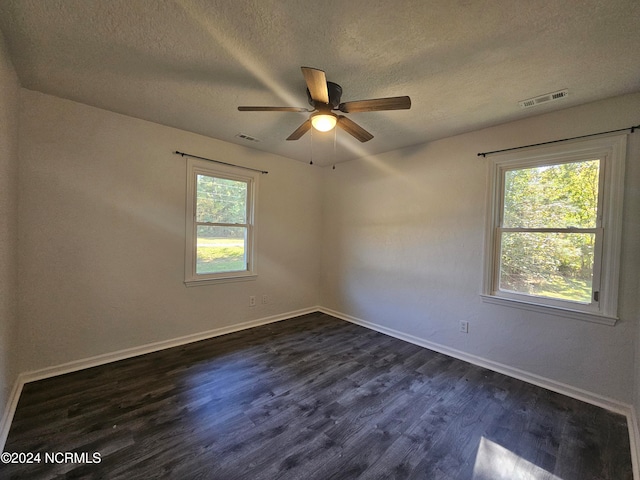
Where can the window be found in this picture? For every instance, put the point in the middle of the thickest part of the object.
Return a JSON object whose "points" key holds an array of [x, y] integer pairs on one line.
{"points": [[554, 228], [220, 226]]}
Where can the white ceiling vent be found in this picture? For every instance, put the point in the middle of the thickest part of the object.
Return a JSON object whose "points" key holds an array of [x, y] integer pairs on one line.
{"points": [[548, 97], [246, 137]]}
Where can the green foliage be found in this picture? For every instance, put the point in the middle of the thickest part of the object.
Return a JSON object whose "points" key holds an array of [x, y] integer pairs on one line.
{"points": [[220, 200], [221, 247], [216, 258], [557, 196], [560, 196]]}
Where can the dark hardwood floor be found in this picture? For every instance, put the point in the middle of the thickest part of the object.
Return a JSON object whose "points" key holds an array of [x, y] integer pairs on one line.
{"points": [[309, 398]]}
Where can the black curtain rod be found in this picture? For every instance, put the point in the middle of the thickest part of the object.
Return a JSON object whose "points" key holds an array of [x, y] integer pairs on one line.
{"points": [[264, 172], [556, 141]]}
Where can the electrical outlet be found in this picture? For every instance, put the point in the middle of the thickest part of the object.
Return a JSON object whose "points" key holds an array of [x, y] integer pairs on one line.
{"points": [[265, 299], [252, 300], [464, 327]]}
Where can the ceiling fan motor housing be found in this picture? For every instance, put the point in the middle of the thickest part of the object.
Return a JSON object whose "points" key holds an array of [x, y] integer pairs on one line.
{"points": [[335, 94]]}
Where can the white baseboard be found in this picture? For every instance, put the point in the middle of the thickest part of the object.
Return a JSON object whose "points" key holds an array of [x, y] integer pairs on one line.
{"points": [[10, 409], [558, 387], [634, 440], [94, 361]]}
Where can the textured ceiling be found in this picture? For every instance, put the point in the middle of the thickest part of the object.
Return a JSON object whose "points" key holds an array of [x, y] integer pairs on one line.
{"points": [[190, 63]]}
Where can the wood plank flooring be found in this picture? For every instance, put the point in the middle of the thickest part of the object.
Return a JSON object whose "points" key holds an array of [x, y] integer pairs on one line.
{"points": [[310, 398]]}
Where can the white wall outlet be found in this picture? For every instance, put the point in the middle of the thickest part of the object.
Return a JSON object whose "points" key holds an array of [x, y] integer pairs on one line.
{"points": [[265, 299], [252, 300], [464, 326]]}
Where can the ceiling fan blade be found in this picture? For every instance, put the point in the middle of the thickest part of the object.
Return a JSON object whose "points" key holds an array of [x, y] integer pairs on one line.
{"points": [[376, 105], [300, 131], [272, 109], [316, 83], [352, 128]]}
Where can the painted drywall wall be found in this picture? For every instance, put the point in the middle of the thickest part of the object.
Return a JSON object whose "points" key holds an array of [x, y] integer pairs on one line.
{"points": [[633, 227], [637, 384], [635, 192], [9, 88], [102, 234], [403, 249]]}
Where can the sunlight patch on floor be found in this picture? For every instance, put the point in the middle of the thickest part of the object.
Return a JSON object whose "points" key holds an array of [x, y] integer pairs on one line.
{"points": [[494, 462]]}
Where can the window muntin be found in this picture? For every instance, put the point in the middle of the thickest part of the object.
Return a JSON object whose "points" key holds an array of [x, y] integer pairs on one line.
{"points": [[571, 236], [220, 223]]}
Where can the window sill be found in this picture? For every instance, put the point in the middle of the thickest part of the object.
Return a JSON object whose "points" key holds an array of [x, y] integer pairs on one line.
{"points": [[199, 282], [551, 310]]}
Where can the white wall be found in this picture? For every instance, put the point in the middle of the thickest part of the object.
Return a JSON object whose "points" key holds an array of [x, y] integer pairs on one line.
{"points": [[404, 250], [637, 379], [102, 234], [636, 248], [637, 369], [9, 88]]}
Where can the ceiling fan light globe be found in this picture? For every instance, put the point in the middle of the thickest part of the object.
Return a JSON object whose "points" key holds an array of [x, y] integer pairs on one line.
{"points": [[324, 122]]}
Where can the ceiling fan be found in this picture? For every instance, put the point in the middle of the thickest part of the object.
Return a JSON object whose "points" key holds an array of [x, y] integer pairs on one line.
{"points": [[324, 97]]}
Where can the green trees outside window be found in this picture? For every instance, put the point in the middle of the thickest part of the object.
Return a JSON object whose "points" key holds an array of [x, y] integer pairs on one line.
{"points": [[548, 230], [221, 224]]}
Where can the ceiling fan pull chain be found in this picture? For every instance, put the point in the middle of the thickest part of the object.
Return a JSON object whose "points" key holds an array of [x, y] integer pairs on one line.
{"points": [[335, 137], [311, 162]]}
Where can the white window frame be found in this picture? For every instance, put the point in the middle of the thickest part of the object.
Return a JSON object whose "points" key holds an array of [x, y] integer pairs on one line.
{"points": [[197, 167], [611, 150]]}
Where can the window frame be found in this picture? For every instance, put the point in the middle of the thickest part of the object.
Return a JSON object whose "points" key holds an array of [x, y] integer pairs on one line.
{"points": [[611, 151], [197, 167]]}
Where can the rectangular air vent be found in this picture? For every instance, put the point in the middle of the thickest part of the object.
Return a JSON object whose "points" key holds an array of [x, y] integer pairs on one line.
{"points": [[548, 97], [246, 137]]}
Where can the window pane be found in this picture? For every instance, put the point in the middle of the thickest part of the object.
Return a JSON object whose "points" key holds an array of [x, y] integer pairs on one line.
{"points": [[554, 265], [221, 249], [556, 196], [220, 200]]}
